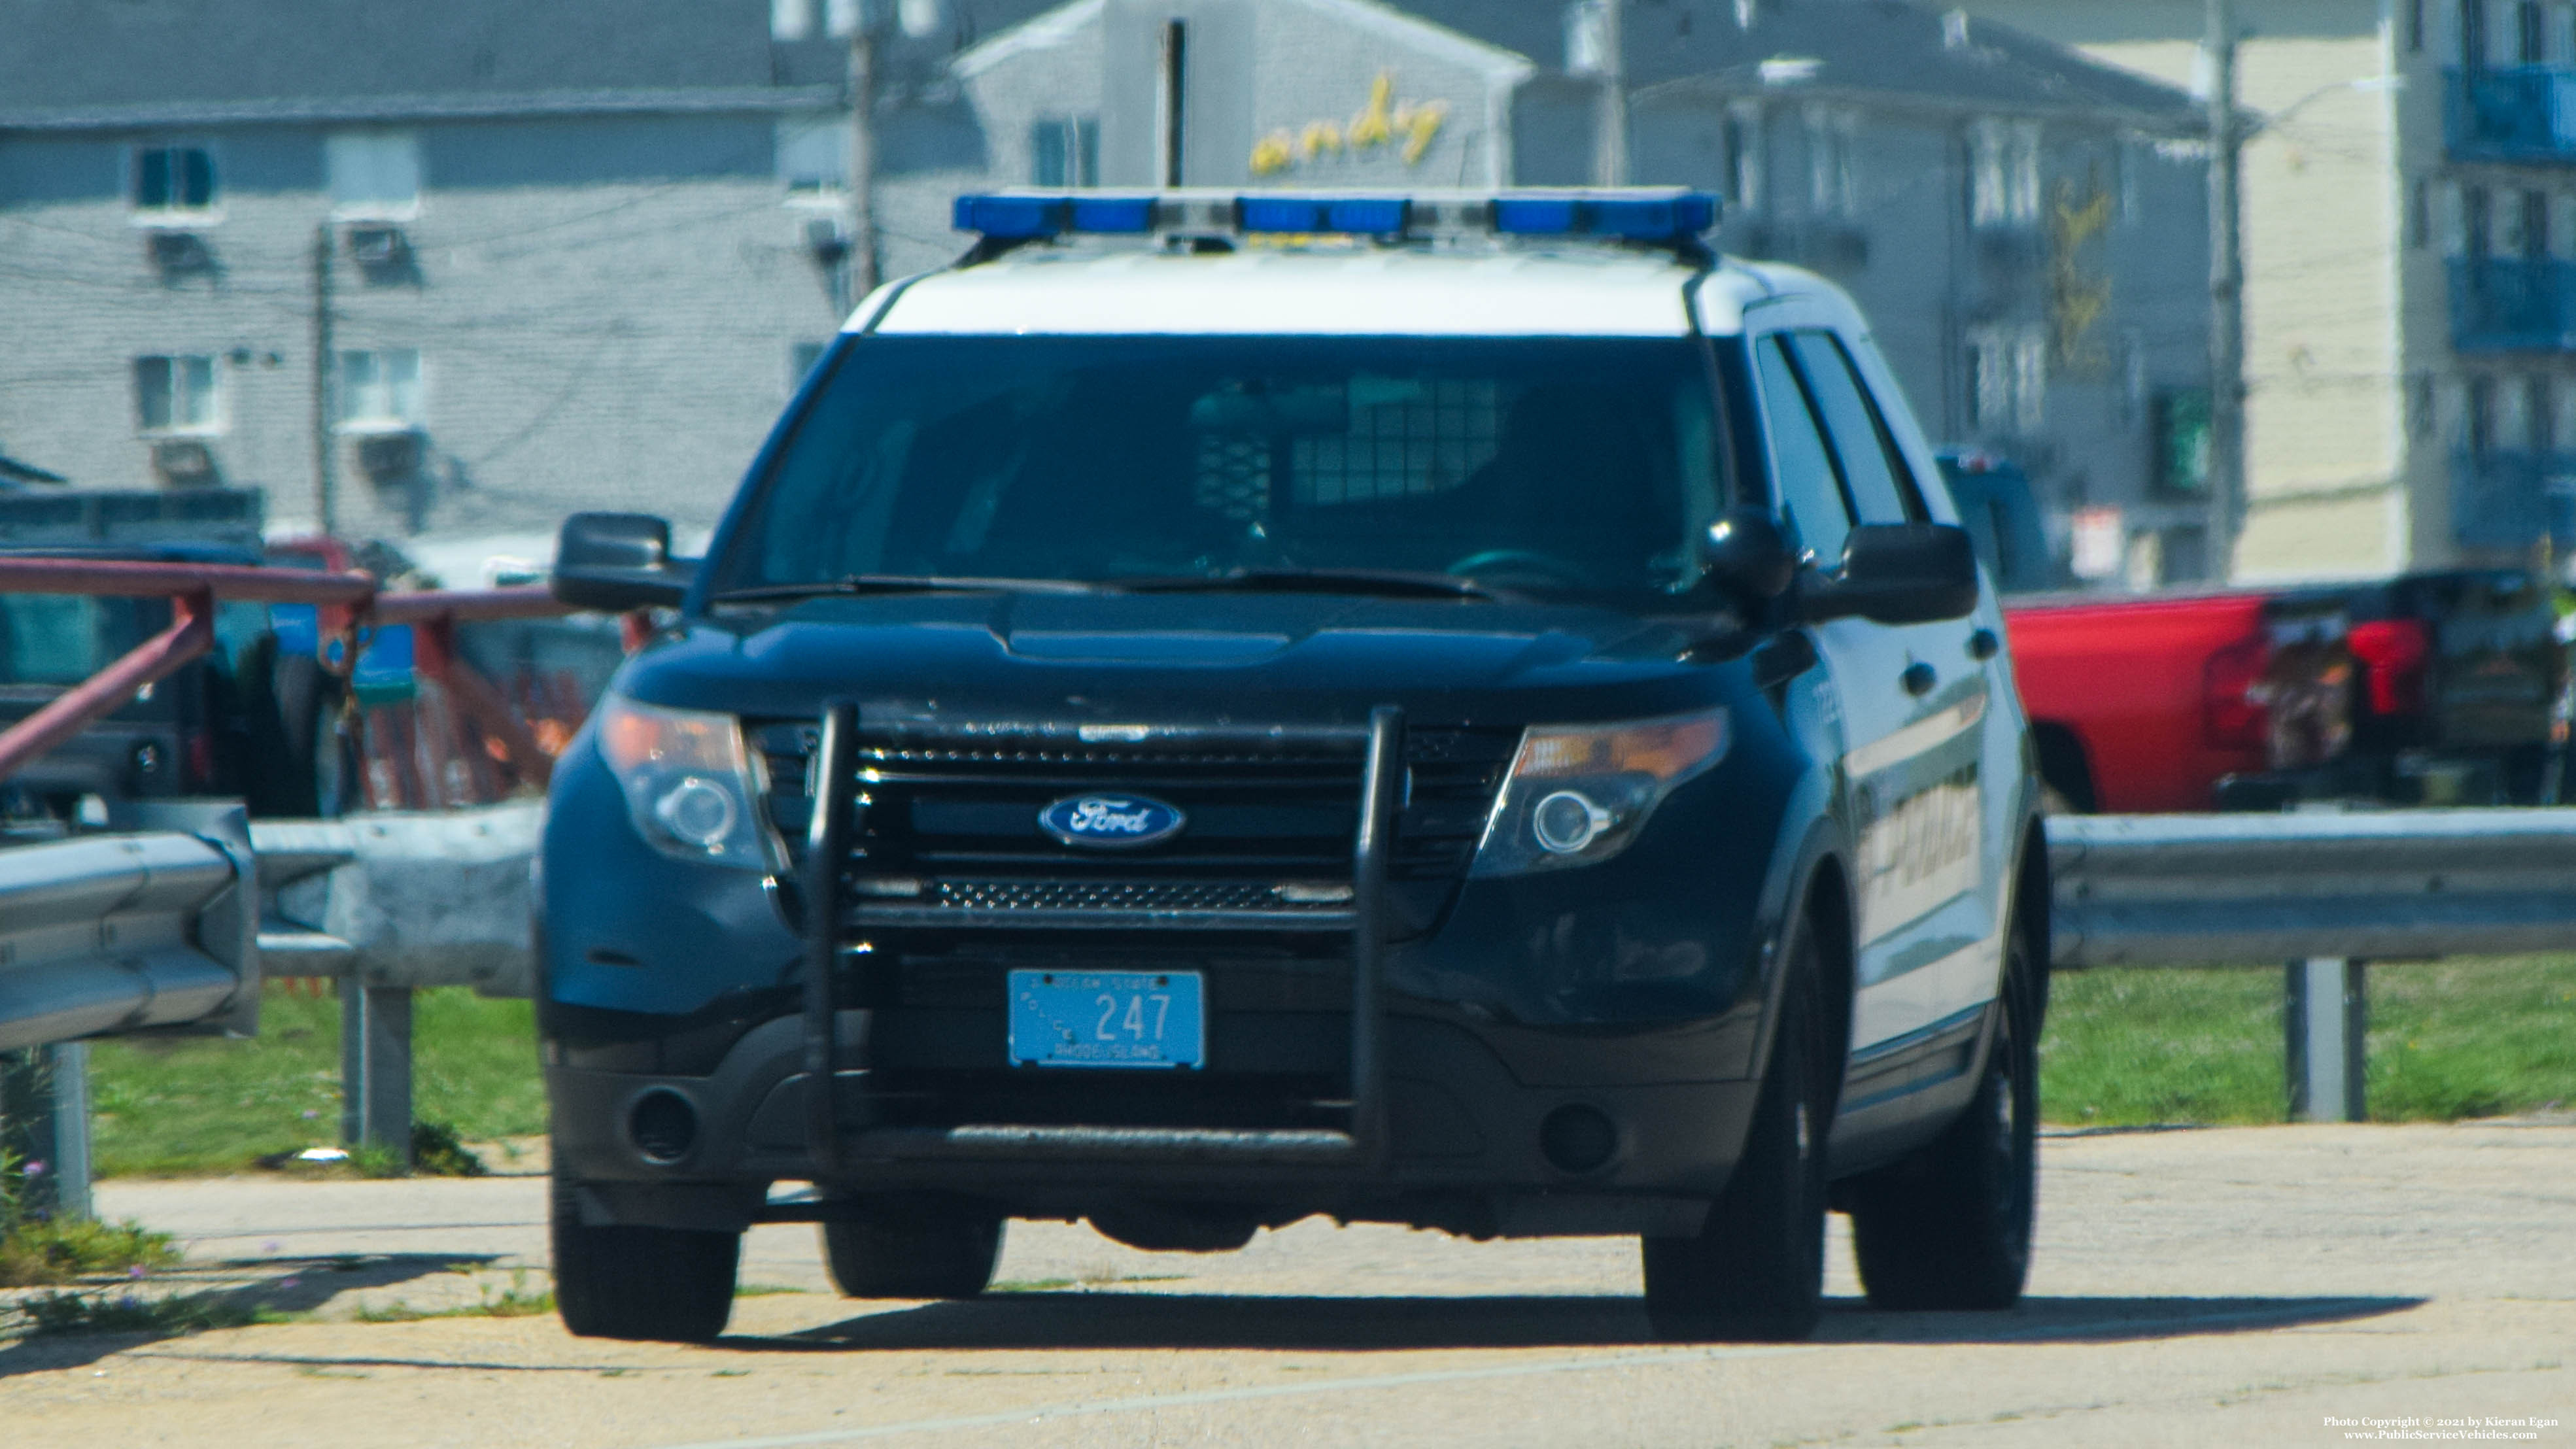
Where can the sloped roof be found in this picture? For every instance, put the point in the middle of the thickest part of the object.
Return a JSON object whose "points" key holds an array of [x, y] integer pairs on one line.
{"points": [[1887, 47], [106, 61]]}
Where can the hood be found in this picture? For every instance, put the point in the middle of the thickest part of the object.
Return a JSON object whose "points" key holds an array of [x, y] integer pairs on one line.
{"points": [[1194, 658]]}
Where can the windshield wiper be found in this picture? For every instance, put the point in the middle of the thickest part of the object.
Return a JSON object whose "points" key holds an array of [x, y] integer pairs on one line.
{"points": [[1397, 583], [904, 584]]}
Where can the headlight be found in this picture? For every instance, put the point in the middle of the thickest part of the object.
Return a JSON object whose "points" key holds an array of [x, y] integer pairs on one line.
{"points": [[689, 782], [1579, 793]]}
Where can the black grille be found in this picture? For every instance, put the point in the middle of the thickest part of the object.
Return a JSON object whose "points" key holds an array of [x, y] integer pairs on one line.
{"points": [[961, 816], [1114, 895]]}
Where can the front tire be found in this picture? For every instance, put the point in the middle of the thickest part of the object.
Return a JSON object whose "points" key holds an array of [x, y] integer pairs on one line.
{"points": [[1950, 1227], [670, 1285], [1756, 1271], [911, 1249]]}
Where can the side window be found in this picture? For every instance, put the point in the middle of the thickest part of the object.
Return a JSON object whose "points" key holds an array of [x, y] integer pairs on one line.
{"points": [[1881, 488], [1802, 472]]}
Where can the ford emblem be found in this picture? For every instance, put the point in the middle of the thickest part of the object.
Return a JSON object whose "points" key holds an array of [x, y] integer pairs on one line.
{"points": [[1111, 822]]}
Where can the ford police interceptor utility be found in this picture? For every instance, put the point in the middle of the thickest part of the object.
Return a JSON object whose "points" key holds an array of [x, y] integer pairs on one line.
{"points": [[1457, 710]]}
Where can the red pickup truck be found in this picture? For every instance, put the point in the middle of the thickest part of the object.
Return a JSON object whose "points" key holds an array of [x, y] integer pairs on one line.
{"points": [[2429, 688]]}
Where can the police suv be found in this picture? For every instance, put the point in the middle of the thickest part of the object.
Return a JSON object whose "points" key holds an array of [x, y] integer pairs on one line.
{"points": [[1459, 710]]}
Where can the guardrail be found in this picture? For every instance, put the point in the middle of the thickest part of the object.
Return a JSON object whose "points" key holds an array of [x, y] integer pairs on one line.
{"points": [[2327, 892], [166, 930], [169, 929]]}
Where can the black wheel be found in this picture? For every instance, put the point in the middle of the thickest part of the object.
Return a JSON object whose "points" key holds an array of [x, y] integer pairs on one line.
{"points": [[1949, 1227], [1756, 1270], [666, 1284], [908, 1248]]}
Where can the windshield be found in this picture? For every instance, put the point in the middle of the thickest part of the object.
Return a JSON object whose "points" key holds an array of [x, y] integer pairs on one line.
{"points": [[1580, 465], [66, 638]]}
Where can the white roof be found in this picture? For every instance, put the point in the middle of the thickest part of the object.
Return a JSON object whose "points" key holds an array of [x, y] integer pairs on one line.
{"points": [[1575, 292]]}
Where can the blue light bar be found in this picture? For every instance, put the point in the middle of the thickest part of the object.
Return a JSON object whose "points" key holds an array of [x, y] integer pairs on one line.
{"points": [[1131, 214], [1631, 218], [1011, 218], [1647, 215], [1354, 215]]}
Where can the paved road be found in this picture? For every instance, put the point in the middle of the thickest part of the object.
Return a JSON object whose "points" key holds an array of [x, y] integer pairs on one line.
{"points": [[2209, 1287]]}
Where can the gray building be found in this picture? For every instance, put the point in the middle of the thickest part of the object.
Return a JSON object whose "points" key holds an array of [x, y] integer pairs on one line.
{"points": [[473, 264], [573, 255]]}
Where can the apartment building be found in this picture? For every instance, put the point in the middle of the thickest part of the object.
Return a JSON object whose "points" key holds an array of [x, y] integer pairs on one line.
{"points": [[467, 268], [2410, 228]]}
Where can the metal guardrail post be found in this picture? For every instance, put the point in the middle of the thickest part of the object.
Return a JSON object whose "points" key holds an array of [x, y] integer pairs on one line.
{"points": [[44, 1107], [375, 1067], [2325, 1024]]}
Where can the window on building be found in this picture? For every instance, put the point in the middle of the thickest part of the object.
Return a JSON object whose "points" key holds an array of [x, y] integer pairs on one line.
{"points": [[791, 20], [1832, 147], [2007, 378], [2421, 407], [1743, 159], [2531, 226], [1587, 37], [374, 174], [2473, 34], [2479, 420], [2530, 32], [174, 178], [2415, 26], [2180, 427], [2003, 173], [2419, 212], [1064, 151], [379, 389], [814, 154], [2477, 223], [176, 395]]}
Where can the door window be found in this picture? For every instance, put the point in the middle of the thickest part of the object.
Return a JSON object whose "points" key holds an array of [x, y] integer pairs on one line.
{"points": [[1802, 471], [1882, 490]]}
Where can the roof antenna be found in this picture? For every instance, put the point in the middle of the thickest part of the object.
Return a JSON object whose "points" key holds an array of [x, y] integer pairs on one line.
{"points": [[1746, 12]]}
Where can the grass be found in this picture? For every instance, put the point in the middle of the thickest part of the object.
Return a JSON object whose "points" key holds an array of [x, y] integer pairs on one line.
{"points": [[2125, 1047], [516, 1301], [62, 1313], [34, 1253], [2448, 1040], [201, 1105]]}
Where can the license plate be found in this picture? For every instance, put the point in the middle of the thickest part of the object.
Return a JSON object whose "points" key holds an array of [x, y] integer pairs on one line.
{"points": [[1107, 1019]]}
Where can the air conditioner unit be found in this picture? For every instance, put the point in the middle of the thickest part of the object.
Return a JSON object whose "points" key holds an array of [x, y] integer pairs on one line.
{"points": [[379, 246], [178, 253], [184, 463], [827, 240], [390, 458]]}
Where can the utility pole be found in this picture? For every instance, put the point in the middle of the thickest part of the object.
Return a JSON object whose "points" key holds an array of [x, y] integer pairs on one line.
{"points": [[1610, 125], [2226, 290], [325, 461], [866, 25]]}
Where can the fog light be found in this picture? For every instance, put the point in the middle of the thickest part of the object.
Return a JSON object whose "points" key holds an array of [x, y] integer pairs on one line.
{"points": [[697, 811], [1567, 821], [1576, 1138], [663, 1125]]}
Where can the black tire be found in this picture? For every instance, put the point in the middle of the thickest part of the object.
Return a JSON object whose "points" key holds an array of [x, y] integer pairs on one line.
{"points": [[670, 1285], [905, 1248], [1949, 1228], [1756, 1271]]}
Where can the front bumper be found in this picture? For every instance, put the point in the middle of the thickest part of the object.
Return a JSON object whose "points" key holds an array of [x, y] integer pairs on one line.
{"points": [[1464, 1142]]}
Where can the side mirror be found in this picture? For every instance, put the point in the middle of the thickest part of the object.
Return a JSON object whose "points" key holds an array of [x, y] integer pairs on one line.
{"points": [[1897, 573], [1747, 555], [619, 561]]}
